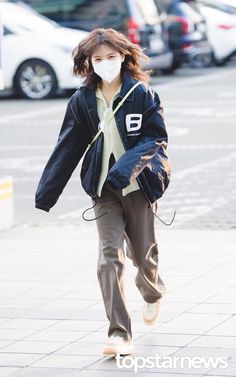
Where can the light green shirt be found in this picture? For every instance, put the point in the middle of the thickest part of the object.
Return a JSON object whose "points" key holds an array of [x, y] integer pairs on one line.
{"points": [[112, 142]]}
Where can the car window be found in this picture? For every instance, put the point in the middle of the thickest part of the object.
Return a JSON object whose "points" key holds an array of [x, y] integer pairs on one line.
{"points": [[226, 6], [21, 20], [83, 14], [189, 12], [145, 11]]}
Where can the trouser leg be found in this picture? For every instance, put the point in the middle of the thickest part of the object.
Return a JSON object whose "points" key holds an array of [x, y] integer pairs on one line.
{"points": [[142, 245], [111, 261]]}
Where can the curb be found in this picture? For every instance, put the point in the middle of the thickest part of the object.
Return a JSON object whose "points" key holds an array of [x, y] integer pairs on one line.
{"points": [[6, 203]]}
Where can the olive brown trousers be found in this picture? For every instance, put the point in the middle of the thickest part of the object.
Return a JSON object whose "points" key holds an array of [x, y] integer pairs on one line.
{"points": [[129, 219]]}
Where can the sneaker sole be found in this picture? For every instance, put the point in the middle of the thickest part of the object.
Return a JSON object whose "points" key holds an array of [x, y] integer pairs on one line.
{"points": [[154, 320], [114, 350]]}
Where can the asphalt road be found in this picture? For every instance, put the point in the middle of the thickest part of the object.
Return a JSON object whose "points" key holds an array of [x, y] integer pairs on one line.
{"points": [[200, 113]]}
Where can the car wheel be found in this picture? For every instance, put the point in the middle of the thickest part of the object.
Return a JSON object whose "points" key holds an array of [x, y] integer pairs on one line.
{"points": [[171, 70], [218, 62], [35, 79], [200, 61]]}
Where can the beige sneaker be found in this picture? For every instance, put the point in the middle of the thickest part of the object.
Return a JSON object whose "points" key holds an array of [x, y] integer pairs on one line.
{"points": [[151, 312], [117, 345]]}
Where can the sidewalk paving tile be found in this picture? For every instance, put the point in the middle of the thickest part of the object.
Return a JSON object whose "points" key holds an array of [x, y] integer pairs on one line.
{"points": [[229, 371], [226, 298], [54, 335], [78, 325], [44, 372], [67, 361], [227, 328], [233, 358], [52, 317], [127, 372], [7, 371], [94, 337], [214, 308], [33, 347], [18, 359], [4, 343], [19, 323], [79, 348], [191, 323], [15, 334], [178, 340], [214, 341]]}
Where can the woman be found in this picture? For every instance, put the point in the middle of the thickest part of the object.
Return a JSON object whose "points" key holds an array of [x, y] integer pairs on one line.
{"points": [[124, 171]]}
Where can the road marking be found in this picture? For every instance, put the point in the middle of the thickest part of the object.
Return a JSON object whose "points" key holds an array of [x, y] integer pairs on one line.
{"points": [[31, 114], [176, 196], [208, 113], [205, 180], [35, 179], [173, 132], [191, 111], [21, 147], [177, 81], [190, 204], [226, 95], [190, 211], [178, 131], [199, 168], [63, 196], [32, 164], [202, 146], [28, 164]]}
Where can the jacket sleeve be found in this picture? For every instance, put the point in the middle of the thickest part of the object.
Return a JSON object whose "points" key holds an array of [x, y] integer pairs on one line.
{"points": [[67, 153], [154, 136]]}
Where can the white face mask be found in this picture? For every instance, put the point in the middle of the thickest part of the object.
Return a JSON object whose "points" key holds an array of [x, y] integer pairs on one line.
{"points": [[107, 69]]}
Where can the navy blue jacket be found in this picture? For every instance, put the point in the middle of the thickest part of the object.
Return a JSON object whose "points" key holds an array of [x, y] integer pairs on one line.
{"points": [[143, 133]]}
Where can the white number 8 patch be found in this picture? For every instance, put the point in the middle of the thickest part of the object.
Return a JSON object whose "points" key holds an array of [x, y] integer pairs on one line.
{"points": [[133, 122]]}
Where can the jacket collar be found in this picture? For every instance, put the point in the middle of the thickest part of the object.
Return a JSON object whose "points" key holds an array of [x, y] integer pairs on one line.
{"points": [[100, 95], [90, 96], [127, 82]]}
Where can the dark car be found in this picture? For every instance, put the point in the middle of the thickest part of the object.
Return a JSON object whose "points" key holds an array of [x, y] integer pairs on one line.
{"points": [[141, 21], [187, 33]]}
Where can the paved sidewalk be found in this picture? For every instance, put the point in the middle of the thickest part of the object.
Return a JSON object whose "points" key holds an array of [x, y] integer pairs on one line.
{"points": [[52, 319]]}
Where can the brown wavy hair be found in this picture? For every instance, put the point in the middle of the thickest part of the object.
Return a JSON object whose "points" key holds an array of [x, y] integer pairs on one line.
{"points": [[133, 56]]}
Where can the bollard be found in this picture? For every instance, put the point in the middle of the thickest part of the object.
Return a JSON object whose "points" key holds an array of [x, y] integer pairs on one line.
{"points": [[6, 203]]}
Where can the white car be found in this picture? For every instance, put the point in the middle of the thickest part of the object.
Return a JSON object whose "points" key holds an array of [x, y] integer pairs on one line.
{"points": [[36, 52], [220, 18]]}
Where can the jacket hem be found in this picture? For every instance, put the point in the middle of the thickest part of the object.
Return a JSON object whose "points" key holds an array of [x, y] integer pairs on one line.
{"points": [[115, 183], [42, 206]]}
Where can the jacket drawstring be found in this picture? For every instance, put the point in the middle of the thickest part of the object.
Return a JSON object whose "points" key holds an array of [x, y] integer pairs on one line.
{"points": [[91, 208], [167, 224], [163, 222]]}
